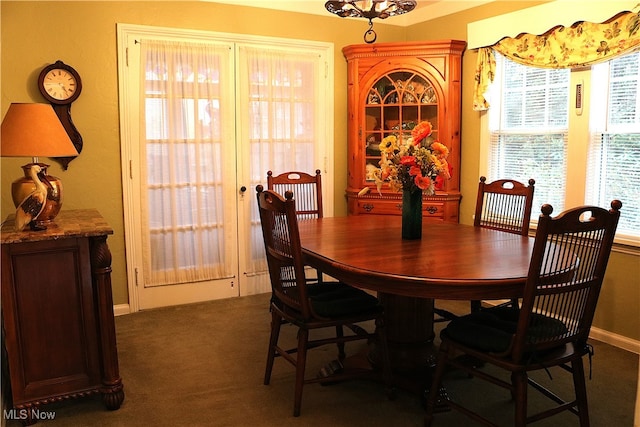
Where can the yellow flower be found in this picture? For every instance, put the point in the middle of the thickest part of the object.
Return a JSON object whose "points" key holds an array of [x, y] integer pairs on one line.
{"points": [[389, 144]]}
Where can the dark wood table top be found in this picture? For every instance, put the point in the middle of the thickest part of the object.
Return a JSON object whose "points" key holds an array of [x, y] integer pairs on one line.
{"points": [[451, 261]]}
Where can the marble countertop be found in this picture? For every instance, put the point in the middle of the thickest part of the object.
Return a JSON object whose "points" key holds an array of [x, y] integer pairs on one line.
{"points": [[68, 223]]}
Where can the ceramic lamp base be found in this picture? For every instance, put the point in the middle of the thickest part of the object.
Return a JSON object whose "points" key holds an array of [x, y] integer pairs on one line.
{"points": [[22, 187]]}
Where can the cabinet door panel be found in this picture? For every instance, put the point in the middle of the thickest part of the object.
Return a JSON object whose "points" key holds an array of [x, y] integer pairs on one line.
{"points": [[50, 290]]}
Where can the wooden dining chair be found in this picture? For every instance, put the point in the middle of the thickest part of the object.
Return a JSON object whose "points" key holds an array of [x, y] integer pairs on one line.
{"points": [[332, 305], [306, 187], [308, 191], [503, 205], [550, 328]]}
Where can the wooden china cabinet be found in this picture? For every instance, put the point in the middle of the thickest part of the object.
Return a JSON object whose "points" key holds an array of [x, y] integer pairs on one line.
{"points": [[391, 88]]}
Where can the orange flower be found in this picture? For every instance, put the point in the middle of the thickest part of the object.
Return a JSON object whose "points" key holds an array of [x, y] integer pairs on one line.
{"points": [[420, 132], [441, 179], [415, 171], [423, 182], [440, 149], [408, 161]]}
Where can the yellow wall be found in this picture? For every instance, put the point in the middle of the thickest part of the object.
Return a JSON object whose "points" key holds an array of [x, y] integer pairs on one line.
{"points": [[83, 34]]}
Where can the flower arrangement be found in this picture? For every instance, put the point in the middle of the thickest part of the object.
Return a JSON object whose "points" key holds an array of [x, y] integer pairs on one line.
{"points": [[413, 163]]}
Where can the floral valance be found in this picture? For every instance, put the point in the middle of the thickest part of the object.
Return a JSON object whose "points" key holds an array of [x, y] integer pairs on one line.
{"points": [[581, 44]]}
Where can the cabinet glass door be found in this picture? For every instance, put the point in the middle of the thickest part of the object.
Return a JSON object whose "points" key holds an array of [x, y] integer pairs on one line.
{"points": [[395, 104]]}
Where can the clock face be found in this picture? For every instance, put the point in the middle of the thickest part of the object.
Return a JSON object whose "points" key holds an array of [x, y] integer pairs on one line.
{"points": [[60, 84]]}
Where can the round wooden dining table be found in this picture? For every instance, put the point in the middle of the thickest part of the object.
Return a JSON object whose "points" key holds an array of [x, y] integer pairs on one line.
{"points": [[450, 261]]}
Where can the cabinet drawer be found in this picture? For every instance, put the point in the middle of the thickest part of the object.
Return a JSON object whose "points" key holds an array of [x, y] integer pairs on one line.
{"points": [[394, 207]]}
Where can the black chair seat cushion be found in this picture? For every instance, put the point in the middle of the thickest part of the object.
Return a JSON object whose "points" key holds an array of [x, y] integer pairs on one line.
{"points": [[491, 329], [336, 299]]}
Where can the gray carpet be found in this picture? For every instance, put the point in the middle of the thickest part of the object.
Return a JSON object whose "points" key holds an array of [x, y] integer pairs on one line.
{"points": [[203, 364]]}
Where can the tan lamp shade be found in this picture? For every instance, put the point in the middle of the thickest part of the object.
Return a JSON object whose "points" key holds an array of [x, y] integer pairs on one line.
{"points": [[34, 130]]}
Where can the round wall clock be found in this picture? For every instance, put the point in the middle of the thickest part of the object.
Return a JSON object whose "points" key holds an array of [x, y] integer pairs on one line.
{"points": [[61, 85]]}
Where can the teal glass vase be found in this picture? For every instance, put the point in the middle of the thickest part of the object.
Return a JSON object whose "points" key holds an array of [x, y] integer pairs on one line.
{"points": [[411, 214]]}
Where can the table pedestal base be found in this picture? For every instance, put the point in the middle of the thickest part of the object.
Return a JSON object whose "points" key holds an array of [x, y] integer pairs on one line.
{"points": [[410, 335], [409, 326]]}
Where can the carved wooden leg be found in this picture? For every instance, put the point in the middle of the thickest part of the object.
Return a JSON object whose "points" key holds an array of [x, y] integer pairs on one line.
{"points": [[112, 388], [26, 414]]}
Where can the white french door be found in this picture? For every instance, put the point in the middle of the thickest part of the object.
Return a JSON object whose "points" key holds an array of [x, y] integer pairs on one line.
{"points": [[203, 118]]}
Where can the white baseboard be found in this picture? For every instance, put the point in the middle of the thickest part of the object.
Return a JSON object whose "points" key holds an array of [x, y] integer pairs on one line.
{"points": [[120, 309], [615, 340]]}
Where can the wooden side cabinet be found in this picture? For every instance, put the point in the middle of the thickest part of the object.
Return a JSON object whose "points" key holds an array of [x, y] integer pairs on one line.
{"points": [[391, 88], [57, 313]]}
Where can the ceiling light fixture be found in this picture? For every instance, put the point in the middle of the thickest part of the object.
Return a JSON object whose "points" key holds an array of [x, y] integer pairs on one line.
{"points": [[370, 9]]}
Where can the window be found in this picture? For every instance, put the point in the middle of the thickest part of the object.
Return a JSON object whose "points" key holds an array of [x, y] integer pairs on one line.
{"points": [[614, 153], [576, 132], [529, 129]]}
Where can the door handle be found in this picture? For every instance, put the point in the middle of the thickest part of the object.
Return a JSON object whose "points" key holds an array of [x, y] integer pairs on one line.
{"points": [[243, 189]]}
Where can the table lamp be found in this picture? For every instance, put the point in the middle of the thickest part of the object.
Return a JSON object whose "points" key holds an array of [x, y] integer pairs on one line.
{"points": [[34, 130]]}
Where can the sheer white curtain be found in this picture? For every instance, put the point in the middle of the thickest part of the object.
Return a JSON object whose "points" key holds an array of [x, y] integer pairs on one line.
{"points": [[279, 94], [183, 147]]}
